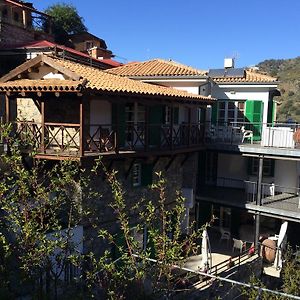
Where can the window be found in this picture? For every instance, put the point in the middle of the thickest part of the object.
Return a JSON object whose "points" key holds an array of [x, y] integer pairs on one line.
{"points": [[231, 111], [141, 174], [268, 167], [167, 117], [89, 45], [16, 17], [135, 123]]}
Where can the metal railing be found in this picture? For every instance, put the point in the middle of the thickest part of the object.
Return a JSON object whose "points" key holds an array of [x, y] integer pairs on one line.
{"points": [[276, 196], [266, 134]]}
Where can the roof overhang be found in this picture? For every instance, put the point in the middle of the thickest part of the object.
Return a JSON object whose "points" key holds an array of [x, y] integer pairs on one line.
{"points": [[246, 84], [170, 78]]}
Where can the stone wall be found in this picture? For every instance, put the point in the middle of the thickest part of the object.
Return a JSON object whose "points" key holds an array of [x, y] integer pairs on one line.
{"points": [[11, 34], [103, 216]]}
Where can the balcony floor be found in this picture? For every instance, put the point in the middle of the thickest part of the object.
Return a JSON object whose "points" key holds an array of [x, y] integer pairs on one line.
{"points": [[255, 149]]}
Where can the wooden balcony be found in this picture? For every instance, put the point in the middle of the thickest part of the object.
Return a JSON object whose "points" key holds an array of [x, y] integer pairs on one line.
{"points": [[72, 140]]}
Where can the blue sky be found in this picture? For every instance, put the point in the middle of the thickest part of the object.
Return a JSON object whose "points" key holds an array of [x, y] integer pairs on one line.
{"points": [[194, 32]]}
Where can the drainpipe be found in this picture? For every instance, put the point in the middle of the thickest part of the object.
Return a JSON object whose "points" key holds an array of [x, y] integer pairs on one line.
{"points": [[258, 198]]}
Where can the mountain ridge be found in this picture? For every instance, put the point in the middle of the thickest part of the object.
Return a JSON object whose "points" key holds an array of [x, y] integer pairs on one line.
{"points": [[288, 73]]}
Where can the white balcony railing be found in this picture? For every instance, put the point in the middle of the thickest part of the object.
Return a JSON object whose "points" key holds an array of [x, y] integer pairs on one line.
{"points": [[281, 135]]}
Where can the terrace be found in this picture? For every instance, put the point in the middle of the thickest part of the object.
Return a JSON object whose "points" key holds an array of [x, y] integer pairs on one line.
{"points": [[278, 135]]}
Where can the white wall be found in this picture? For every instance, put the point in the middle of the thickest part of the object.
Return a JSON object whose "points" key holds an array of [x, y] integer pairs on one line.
{"points": [[246, 93], [286, 175], [45, 72], [232, 167], [100, 112]]}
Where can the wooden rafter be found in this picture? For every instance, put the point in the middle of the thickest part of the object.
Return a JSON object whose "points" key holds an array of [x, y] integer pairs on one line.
{"points": [[170, 162], [186, 157], [129, 169], [22, 68], [33, 63]]}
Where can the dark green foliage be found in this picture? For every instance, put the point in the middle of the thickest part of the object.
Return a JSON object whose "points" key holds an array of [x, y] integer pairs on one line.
{"points": [[66, 20]]}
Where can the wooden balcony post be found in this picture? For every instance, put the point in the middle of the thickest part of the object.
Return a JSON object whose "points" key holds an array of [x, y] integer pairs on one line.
{"points": [[171, 125], [189, 126], [43, 125], [7, 109], [117, 127], [24, 19], [81, 132], [146, 128]]}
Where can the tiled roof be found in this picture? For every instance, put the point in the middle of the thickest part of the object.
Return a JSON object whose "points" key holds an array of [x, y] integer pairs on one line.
{"points": [[250, 77], [98, 81], [156, 68], [47, 44], [46, 85]]}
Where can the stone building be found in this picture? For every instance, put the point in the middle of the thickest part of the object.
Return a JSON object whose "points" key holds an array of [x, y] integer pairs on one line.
{"points": [[20, 22], [73, 111]]}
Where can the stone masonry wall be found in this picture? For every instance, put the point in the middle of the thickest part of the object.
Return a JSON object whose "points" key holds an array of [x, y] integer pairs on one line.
{"points": [[11, 34], [103, 216]]}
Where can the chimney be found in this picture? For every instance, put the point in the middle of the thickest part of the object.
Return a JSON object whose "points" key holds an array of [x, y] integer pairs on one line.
{"points": [[228, 63], [100, 53]]}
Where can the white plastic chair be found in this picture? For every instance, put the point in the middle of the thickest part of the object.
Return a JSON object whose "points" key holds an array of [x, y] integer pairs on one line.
{"points": [[225, 235], [247, 134], [238, 244]]}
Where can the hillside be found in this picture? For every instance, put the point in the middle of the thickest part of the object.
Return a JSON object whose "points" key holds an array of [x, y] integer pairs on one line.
{"points": [[288, 73]]}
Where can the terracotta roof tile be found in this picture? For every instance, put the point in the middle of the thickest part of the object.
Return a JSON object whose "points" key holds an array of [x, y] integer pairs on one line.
{"points": [[100, 81], [41, 85], [250, 76], [156, 68]]}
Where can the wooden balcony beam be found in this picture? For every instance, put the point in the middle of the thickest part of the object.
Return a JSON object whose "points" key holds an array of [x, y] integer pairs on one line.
{"points": [[170, 162], [130, 167]]}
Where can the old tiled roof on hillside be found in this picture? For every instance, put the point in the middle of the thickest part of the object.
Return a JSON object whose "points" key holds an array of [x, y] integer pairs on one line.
{"points": [[156, 68], [249, 77], [85, 77], [42, 44]]}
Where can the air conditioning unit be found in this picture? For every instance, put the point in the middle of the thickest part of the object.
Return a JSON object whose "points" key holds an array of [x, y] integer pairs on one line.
{"points": [[228, 63]]}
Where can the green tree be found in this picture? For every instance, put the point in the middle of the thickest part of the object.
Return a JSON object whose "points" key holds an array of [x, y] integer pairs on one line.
{"points": [[40, 207], [133, 264], [66, 20], [41, 202]]}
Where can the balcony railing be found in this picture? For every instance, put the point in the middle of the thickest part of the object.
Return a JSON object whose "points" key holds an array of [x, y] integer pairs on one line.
{"points": [[274, 196], [239, 192], [70, 139], [266, 134]]}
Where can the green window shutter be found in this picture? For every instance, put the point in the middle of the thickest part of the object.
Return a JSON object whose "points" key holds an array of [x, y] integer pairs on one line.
{"points": [[155, 121], [254, 114], [176, 115], [214, 113], [118, 122], [146, 176]]}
